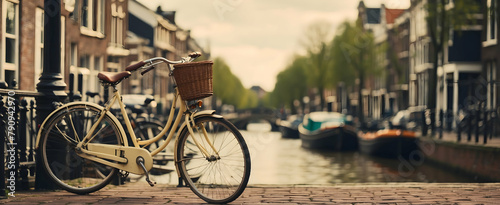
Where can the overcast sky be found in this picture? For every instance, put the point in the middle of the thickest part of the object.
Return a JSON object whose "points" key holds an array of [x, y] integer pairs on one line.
{"points": [[258, 38]]}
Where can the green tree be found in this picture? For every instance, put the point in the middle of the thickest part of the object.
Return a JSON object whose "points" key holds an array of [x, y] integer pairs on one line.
{"points": [[229, 89], [354, 57], [441, 18], [319, 63], [291, 84]]}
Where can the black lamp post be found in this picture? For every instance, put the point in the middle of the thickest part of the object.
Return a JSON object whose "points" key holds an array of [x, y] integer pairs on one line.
{"points": [[51, 83]]}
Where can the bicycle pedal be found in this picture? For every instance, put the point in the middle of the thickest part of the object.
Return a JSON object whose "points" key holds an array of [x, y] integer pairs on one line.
{"points": [[140, 162], [151, 183]]}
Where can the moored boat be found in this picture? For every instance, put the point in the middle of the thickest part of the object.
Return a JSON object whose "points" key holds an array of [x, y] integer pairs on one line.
{"points": [[328, 130], [290, 128], [390, 143]]}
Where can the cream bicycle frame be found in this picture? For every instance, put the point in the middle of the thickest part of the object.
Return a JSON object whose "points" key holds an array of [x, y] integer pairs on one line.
{"points": [[189, 117]]}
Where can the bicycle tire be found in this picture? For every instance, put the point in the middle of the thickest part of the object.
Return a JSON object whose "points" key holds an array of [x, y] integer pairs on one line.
{"points": [[59, 156], [214, 180]]}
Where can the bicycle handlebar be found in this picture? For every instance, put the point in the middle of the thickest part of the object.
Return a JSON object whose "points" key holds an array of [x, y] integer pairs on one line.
{"points": [[149, 64], [194, 55], [136, 66], [147, 70]]}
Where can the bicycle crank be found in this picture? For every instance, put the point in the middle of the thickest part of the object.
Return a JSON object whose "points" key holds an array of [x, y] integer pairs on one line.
{"points": [[140, 162]]}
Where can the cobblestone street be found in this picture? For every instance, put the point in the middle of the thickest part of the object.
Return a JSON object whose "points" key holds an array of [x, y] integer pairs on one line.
{"points": [[393, 193]]}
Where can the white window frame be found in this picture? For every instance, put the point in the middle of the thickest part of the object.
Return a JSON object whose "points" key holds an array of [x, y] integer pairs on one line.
{"points": [[4, 65], [491, 40], [117, 16], [91, 15]]}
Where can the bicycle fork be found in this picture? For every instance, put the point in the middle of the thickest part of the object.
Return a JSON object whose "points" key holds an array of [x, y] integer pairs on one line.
{"points": [[190, 124]]}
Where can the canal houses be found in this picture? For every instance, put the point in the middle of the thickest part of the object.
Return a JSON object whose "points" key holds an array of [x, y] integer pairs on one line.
{"points": [[380, 92], [155, 33], [458, 73], [95, 37], [89, 42], [400, 59], [490, 53], [469, 51]]}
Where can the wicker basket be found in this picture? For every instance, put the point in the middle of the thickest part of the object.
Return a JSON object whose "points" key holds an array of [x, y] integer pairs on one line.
{"points": [[194, 80]]}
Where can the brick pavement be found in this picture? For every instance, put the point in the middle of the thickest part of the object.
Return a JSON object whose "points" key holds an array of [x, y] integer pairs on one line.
{"points": [[392, 193]]}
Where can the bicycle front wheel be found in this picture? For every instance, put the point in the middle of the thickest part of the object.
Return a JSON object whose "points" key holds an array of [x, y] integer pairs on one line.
{"points": [[222, 176], [60, 136]]}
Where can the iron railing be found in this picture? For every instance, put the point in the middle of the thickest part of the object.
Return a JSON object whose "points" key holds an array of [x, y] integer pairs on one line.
{"points": [[18, 132], [472, 124]]}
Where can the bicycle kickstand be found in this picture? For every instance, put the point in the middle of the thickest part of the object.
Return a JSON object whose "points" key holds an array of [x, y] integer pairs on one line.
{"points": [[140, 161]]}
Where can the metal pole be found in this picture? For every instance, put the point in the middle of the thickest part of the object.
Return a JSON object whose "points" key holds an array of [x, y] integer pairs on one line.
{"points": [[441, 122], [459, 127], [23, 136], [51, 83], [485, 125]]}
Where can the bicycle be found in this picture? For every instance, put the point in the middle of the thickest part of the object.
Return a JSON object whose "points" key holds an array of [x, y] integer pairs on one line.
{"points": [[145, 127], [82, 145]]}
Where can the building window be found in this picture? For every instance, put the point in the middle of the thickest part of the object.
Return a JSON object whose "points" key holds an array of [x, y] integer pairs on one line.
{"points": [[73, 54], [113, 63], [92, 17], [491, 25], [117, 31], [94, 84], [163, 35], [117, 16], [10, 36]]}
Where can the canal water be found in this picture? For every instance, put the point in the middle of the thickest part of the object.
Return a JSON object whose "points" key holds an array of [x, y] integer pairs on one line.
{"points": [[283, 161]]}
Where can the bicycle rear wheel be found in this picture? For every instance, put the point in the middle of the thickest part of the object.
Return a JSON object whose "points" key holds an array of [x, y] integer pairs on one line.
{"points": [[223, 176], [58, 143]]}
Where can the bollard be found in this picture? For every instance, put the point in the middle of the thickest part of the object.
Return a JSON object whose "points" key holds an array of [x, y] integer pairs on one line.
{"points": [[441, 123], [424, 124]]}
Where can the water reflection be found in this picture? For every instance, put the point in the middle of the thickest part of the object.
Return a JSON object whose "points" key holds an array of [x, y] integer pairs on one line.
{"points": [[284, 161]]}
